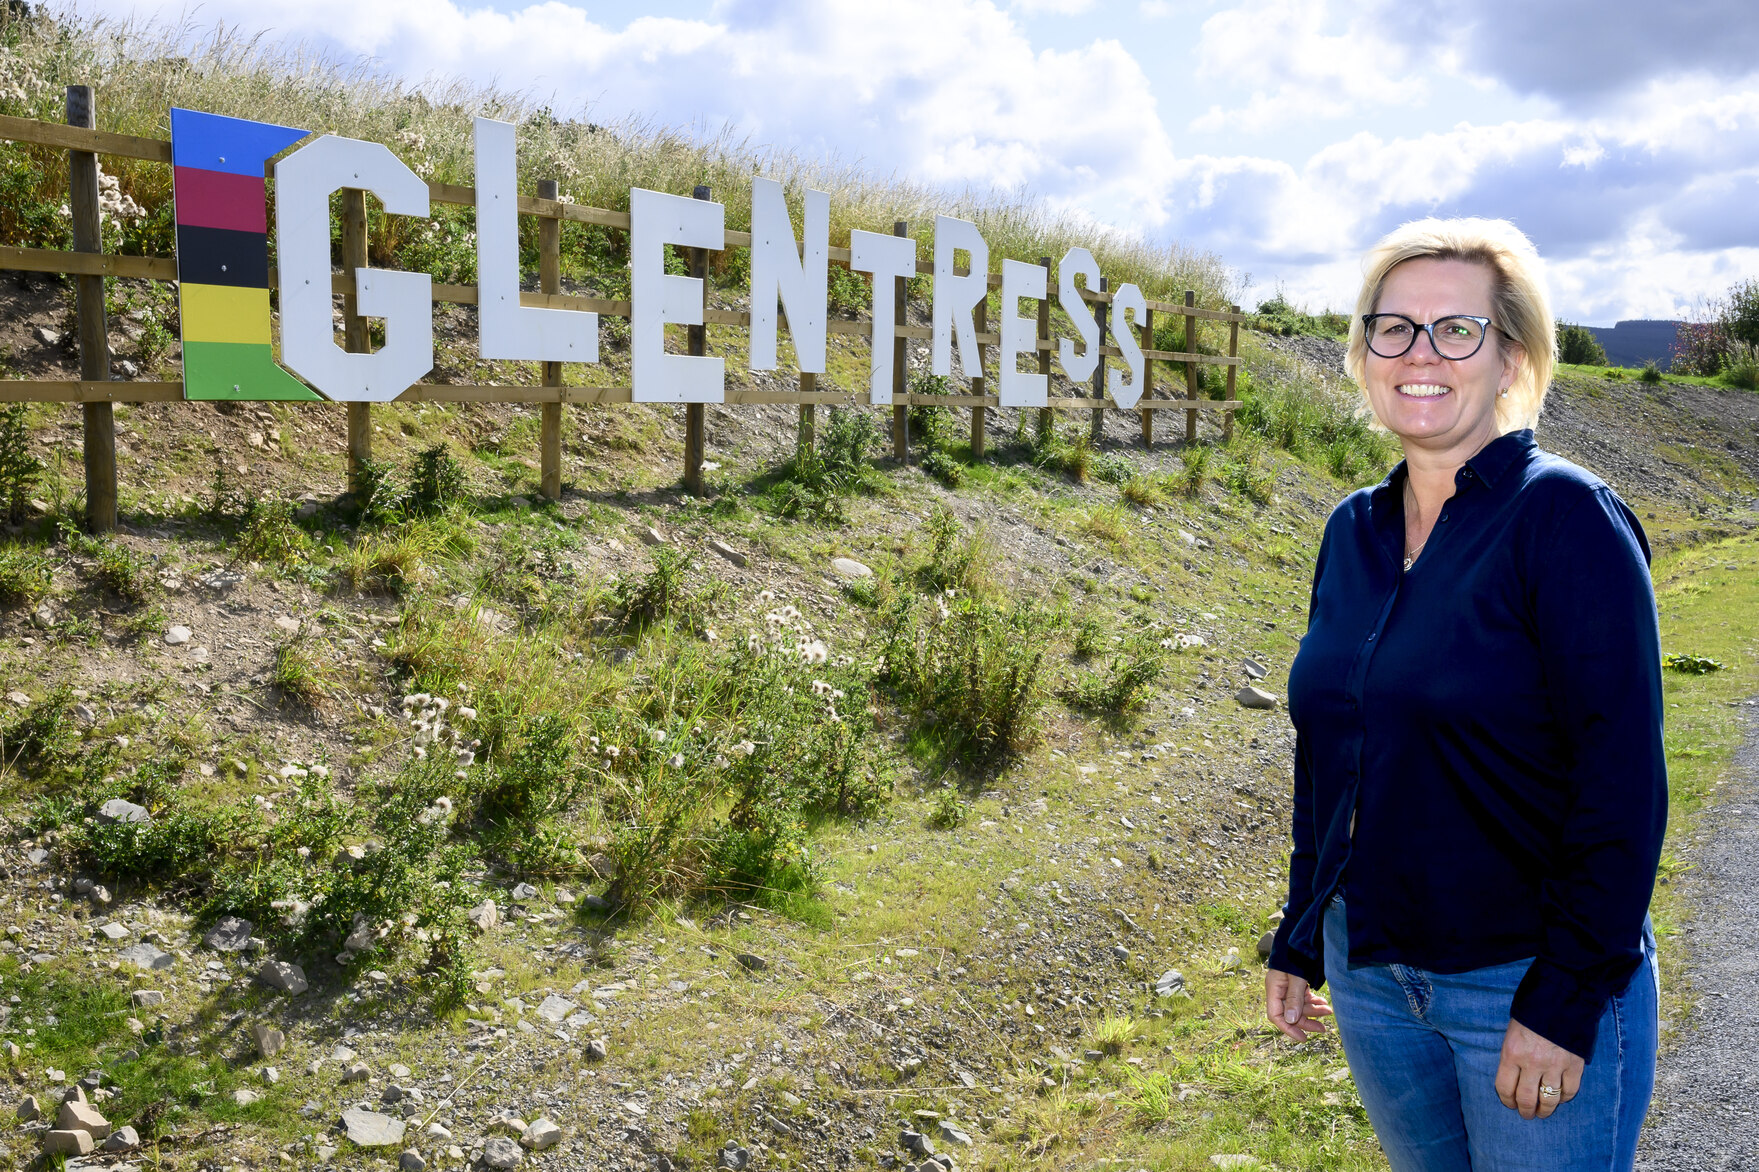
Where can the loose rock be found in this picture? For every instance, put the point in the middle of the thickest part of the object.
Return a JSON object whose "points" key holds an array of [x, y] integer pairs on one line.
{"points": [[541, 1135], [850, 568], [501, 1152], [121, 1139], [728, 552], [67, 1143], [411, 1160], [370, 1129], [82, 1116], [1250, 697], [117, 810], [146, 956], [484, 915], [283, 975], [29, 1110], [177, 635], [269, 1040], [231, 934]]}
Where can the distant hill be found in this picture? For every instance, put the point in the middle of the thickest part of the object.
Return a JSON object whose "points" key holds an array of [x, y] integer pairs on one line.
{"points": [[1632, 343]]}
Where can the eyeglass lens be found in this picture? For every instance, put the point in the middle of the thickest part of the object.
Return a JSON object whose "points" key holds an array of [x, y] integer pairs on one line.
{"points": [[1390, 336]]}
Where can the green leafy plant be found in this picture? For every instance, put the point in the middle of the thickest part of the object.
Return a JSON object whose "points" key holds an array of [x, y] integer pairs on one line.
{"points": [[437, 481], [19, 469], [949, 811], [1650, 373], [1696, 665], [24, 575], [380, 496], [269, 533], [1125, 684], [1578, 346]]}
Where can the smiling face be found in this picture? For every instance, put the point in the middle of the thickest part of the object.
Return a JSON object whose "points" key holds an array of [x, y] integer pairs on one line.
{"points": [[1446, 406]]}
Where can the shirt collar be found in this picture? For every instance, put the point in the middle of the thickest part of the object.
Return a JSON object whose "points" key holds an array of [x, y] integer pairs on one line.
{"points": [[1491, 462]]}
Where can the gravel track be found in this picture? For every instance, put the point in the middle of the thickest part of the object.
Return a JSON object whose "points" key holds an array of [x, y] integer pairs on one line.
{"points": [[1707, 1087]]}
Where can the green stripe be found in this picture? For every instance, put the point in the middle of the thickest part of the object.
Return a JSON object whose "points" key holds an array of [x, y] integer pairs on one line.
{"points": [[240, 371]]}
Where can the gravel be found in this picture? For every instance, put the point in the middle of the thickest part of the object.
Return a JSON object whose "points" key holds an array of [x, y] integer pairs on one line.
{"points": [[1706, 1085]]}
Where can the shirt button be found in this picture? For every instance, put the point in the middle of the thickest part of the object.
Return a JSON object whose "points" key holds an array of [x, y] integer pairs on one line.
{"points": [[1371, 636], [1444, 516]]}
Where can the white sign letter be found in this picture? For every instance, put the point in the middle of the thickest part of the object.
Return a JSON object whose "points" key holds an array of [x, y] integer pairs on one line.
{"points": [[887, 258], [778, 268], [1020, 334], [1078, 262], [1125, 301], [956, 296], [656, 220], [505, 328], [303, 183]]}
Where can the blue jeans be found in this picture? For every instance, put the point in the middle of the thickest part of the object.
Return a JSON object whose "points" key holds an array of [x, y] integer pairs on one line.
{"points": [[1424, 1049]]}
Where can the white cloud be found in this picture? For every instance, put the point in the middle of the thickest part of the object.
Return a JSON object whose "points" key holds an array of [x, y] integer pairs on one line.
{"points": [[1299, 60], [1053, 7]]}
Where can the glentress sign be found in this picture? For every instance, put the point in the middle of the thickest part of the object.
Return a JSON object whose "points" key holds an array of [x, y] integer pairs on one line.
{"points": [[223, 271]]}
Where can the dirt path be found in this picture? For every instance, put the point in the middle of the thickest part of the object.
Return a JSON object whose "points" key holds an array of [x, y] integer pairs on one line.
{"points": [[1707, 1088]]}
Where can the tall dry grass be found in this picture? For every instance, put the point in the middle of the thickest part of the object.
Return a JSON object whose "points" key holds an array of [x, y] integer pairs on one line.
{"points": [[140, 69]]}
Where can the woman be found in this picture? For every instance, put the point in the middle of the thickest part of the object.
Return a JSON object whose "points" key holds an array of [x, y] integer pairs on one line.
{"points": [[1480, 789]]}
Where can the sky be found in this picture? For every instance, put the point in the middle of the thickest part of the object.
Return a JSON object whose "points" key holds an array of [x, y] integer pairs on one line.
{"points": [[1284, 136]]}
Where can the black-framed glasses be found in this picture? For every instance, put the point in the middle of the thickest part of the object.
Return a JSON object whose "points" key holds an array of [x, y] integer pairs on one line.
{"points": [[1391, 335]]}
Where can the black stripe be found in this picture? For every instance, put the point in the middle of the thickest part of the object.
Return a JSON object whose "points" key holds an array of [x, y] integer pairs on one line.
{"points": [[221, 256]]}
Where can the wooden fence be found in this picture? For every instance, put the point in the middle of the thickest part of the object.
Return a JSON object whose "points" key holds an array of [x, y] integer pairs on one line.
{"points": [[96, 392]]}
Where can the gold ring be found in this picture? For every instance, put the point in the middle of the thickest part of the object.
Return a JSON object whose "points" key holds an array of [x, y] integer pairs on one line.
{"points": [[1549, 1092]]}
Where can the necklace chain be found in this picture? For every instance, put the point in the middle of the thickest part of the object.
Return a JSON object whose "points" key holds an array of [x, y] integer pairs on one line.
{"points": [[1411, 557]]}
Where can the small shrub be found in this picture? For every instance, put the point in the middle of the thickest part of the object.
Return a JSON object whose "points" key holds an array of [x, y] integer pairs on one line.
{"points": [[19, 470], [43, 738], [1614, 373], [944, 468], [269, 534], [849, 441], [1124, 686], [949, 812], [661, 594], [958, 561], [1651, 373], [24, 575], [1578, 346], [116, 568], [1090, 636], [380, 497], [438, 480], [971, 674], [1114, 1033], [225, 498]]}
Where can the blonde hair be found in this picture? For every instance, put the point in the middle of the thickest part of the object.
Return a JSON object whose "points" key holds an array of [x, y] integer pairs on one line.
{"points": [[1520, 303]]}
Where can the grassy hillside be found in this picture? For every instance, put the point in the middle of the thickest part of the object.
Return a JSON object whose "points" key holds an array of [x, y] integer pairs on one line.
{"points": [[646, 814]]}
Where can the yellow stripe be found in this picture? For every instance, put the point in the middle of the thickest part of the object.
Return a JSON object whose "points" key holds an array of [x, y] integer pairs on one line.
{"points": [[225, 313]]}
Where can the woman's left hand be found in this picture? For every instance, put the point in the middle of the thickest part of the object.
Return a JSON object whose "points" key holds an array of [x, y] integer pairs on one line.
{"points": [[1528, 1061]]}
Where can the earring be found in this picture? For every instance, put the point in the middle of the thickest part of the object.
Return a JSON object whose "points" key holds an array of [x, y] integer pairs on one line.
{"points": [[1503, 394]]}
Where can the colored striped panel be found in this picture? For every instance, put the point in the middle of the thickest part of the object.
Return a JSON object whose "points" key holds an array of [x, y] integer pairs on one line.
{"points": [[216, 199], [220, 256], [224, 313], [214, 142], [239, 371]]}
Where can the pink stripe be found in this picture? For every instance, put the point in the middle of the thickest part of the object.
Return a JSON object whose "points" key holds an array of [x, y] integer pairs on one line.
{"points": [[214, 199]]}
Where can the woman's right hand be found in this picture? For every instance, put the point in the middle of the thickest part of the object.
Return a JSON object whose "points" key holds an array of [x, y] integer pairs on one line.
{"points": [[1292, 1006]]}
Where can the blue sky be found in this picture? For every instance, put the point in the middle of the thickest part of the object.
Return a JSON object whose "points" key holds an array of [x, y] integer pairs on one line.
{"points": [[1284, 136]]}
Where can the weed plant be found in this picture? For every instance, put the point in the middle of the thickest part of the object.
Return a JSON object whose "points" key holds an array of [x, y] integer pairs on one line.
{"points": [[19, 469], [269, 534], [1650, 373], [24, 575], [1125, 684], [970, 674]]}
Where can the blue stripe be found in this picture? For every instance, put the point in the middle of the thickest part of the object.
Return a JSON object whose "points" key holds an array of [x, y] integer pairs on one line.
{"points": [[237, 146]]}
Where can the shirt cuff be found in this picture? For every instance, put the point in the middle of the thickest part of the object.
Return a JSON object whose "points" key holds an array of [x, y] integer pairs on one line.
{"points": [[1284, 958], [1558, 1007]]}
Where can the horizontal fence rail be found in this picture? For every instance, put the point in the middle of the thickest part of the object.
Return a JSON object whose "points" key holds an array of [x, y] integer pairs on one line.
{"points": [[96, 392]]}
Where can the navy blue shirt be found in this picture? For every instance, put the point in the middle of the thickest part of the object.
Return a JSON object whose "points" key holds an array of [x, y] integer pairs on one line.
{"points": [[1492, 719]]}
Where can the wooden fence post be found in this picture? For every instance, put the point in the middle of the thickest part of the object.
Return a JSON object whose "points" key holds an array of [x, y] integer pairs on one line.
{"points": [[900, 355], [1046, 419], [1096, 427], [1233, 352], [94, 329], [549, 253], [695, 421], [808, 438], [1190, 367], [1147, 379], [355, 337], [978, 383]]}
